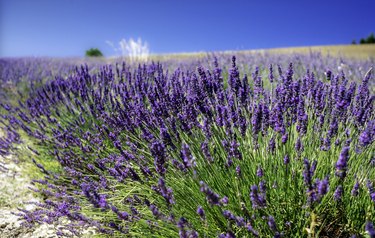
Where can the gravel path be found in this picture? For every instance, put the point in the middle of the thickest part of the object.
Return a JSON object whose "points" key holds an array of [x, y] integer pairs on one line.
{"points": [[13, 193]]}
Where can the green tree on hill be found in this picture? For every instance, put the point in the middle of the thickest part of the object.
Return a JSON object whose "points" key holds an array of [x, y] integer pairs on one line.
{"points": [[369, 40], [94, 52]]}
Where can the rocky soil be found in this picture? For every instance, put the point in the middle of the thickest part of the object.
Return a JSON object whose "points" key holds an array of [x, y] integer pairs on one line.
{"points": [[14, 192]]}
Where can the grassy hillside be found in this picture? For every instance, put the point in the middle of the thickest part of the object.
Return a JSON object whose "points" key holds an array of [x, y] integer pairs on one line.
{"points": [[351, 51], [347, 51]]}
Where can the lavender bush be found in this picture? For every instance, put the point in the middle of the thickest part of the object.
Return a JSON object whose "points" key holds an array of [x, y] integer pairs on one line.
{"points": [[203, 149]]}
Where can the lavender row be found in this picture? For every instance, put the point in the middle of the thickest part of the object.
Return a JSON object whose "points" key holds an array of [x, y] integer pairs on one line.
{"points": [[203, 151]]}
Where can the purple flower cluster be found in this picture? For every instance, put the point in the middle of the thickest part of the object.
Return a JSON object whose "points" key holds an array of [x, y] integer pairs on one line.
{"points": [[342, 163], [151, 134], [258, 196], [212, 197]]}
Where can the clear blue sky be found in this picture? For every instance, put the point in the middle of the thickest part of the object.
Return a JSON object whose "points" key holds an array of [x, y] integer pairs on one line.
{"points": [[69, 27]]}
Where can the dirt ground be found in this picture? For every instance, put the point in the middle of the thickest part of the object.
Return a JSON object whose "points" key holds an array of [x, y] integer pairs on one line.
{"points": [[14, 192]]}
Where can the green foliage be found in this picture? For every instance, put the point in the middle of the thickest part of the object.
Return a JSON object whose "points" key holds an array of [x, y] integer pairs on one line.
{"points": [[93, 52], [369, 40]]}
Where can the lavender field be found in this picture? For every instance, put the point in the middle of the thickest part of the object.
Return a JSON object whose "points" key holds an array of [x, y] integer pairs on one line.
{"points": [[212, 145]]}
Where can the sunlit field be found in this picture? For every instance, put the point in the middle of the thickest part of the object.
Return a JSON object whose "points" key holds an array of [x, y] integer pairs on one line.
{"points": [[266, 143], [364, 51]]}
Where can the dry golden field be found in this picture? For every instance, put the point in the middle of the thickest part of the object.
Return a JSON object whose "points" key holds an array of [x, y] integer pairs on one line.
{"points": [[350, 51], [365, 51]]}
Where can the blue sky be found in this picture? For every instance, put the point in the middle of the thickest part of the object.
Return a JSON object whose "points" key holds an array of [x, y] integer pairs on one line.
{"points": [[69, 27]]}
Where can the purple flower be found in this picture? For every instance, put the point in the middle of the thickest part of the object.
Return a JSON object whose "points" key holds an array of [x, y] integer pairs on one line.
{"points": [[166, 137], [229, 234], [371, 190], [323, 186], [103, 201], [211, 196], [228, 215], [243, 124], [277, 118], [192, 234], [244, 91], [260, 171], [338, 193], [166, 192], [187, 158], [262, 187], [272, 224], [258, 200], [284, 138], [299, 146], [307, 173], [270, 76], [182, 224], [302, 117], [368, 135], [224, 200], [355, 189], [158, 152], [372, 162], [272, 145], [123, 215], [258, 84], [256, 120], [342, 163], [234, 151], [252, 230], [152, 115], [370, 229], [112, 136], [234, 79], [328, 73], [117, 144], [155, 211], [240, 221], [206, 151], [286, 159], [201, 213], [238, 171]]}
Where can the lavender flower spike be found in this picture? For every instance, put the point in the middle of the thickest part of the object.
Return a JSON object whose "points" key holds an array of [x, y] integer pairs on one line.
{"points": [[342, 163], [201, 213], [370, 229]]}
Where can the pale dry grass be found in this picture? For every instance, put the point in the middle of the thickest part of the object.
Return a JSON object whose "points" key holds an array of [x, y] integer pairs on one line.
{"points": [[347, 51]]}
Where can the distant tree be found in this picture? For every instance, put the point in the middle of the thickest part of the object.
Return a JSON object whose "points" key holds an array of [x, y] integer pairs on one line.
{"points": [[94, 52], [354, 42], [370, 39]]}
